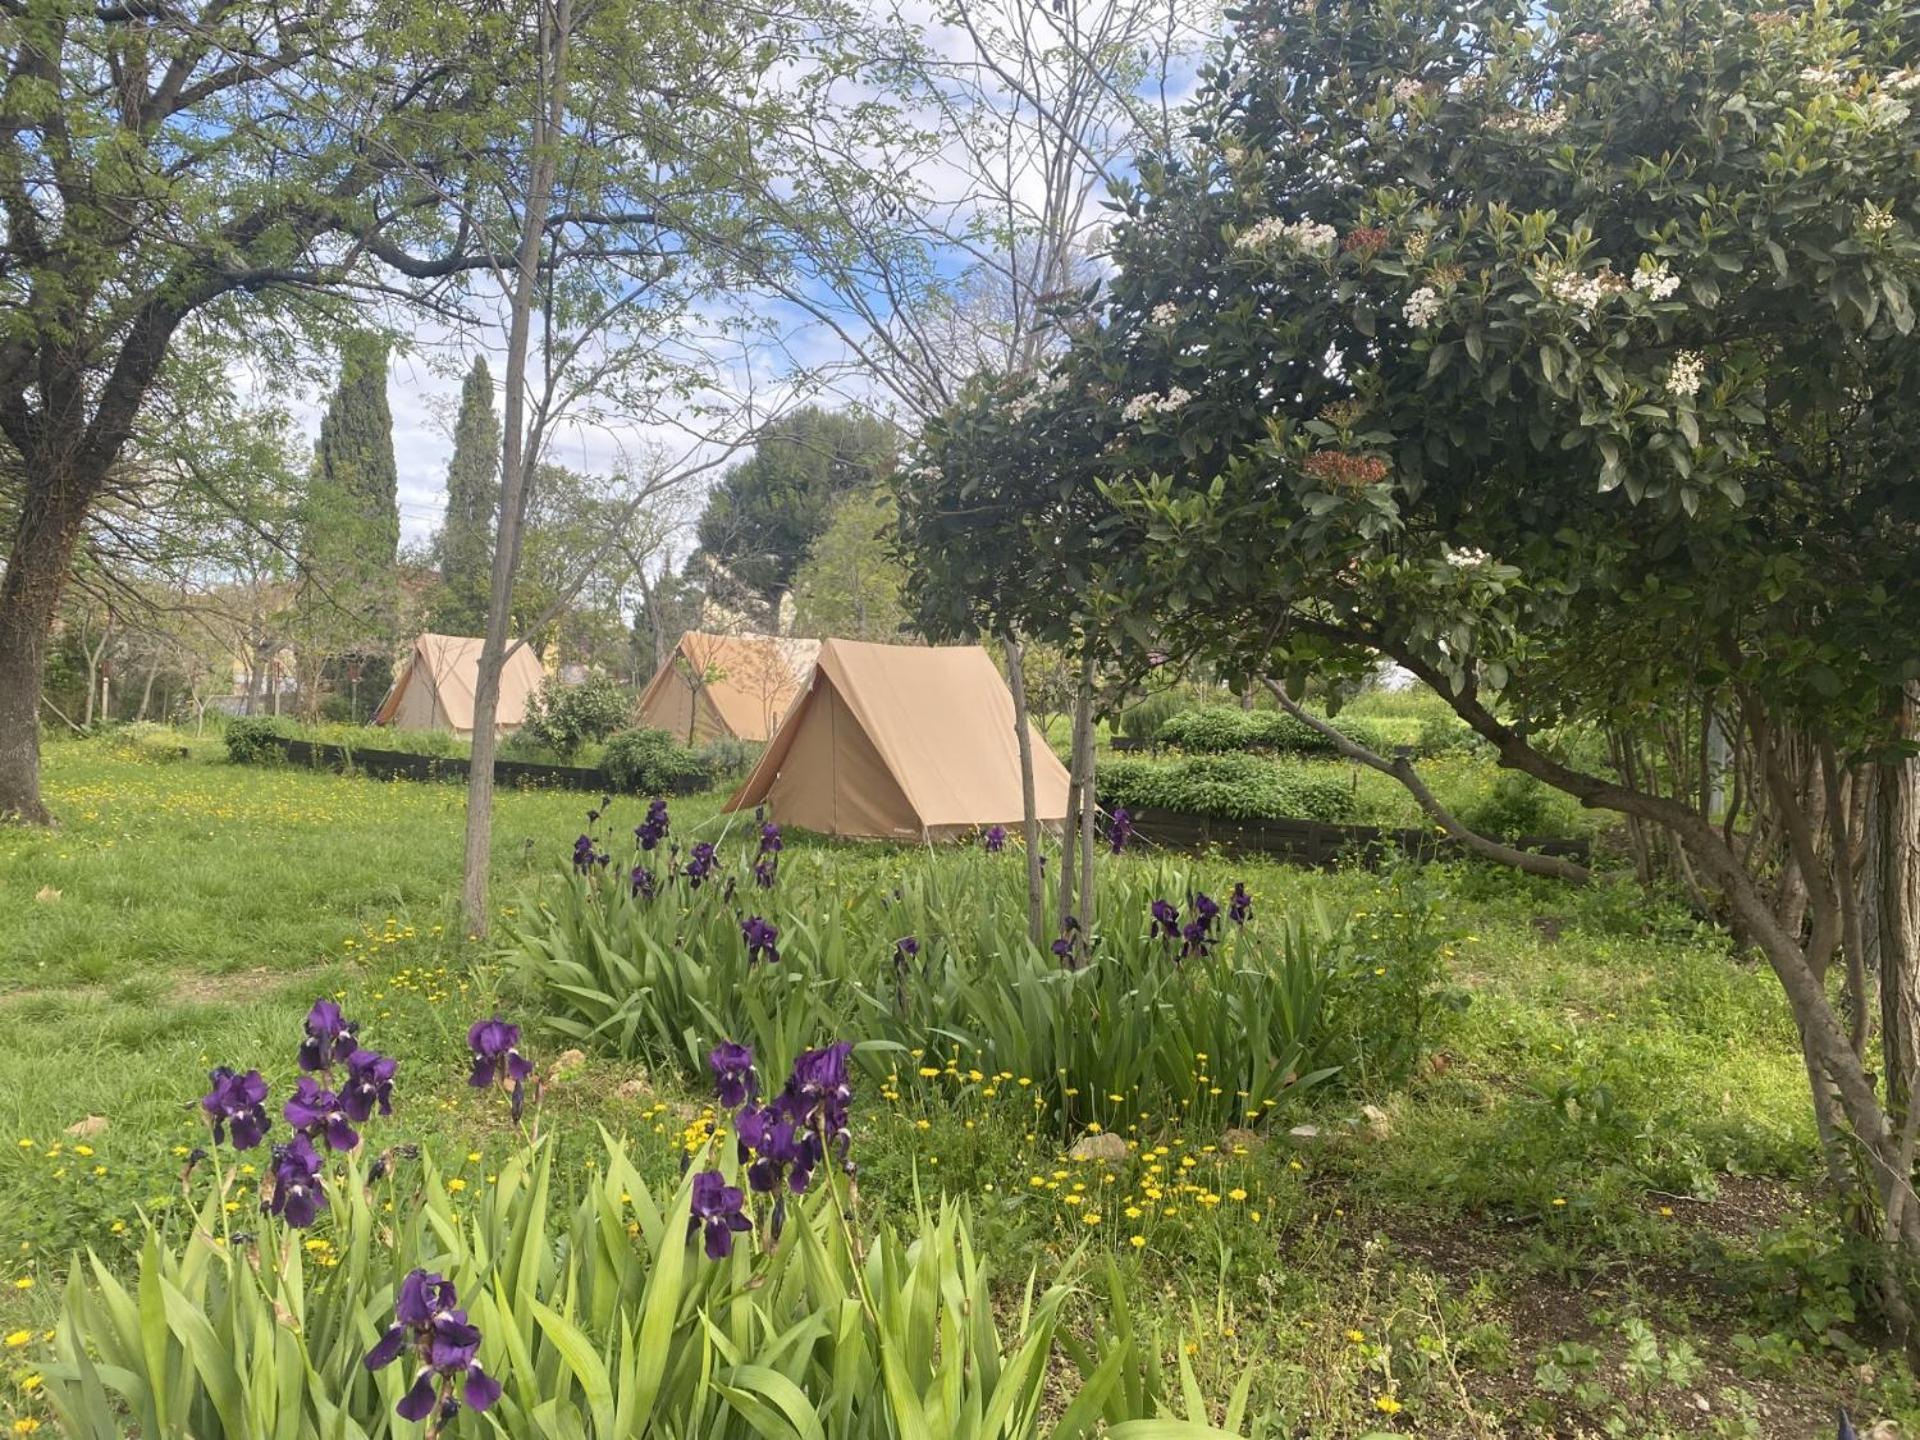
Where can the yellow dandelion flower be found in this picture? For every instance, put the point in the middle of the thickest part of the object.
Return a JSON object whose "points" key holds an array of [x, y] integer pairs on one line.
{"points": [[1357, 1337], [83, 1149], [473, 1157], [1092, 1217], [18, 1338], [1387, 1405], [1138, 1241], [25, 1425], [1559, 1200], [25, 1282], [456, 1185]]}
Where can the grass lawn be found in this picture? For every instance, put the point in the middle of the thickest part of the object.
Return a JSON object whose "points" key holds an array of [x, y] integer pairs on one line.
{"points": [[1587, 1215]]}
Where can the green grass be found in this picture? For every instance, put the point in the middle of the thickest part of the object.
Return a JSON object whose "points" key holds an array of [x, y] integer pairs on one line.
{"points": [[1610, 1132]]}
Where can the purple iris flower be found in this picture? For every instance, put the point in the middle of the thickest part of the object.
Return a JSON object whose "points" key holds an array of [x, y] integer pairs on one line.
{"points": [[717, 1207], [585, 857], [1119, 830], [495, 1044], [1207, 908], [297, 1196], [733, 1077], [779, 1149], [316, 1112], [765, 872], [905, 949], [770, 839], [1166, 921], [238, 1102], [330, 1037], [651, 831], [762, 940], [427, 1320], [699, 864], [1063, 948], [369, 1083], [995, 839], [1195, 939], [1240, 904], [645, 884]]}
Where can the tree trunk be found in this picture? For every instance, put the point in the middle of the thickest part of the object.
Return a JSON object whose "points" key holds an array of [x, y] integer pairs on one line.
{"points": [[1070, 830], [1088, 808], [146, 691], [43, 544], [478, 869], [1890, 921], [1030, 823]]}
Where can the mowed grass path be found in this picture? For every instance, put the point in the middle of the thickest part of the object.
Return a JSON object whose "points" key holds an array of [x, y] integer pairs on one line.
{"points": [[1613, 1119]]}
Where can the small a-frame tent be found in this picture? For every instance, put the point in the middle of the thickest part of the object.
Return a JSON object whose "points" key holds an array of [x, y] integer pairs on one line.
{"points": [[434, 689], [901, 742], [715, 687]]}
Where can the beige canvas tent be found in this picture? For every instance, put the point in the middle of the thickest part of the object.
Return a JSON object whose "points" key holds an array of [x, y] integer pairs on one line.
{"points": [[726, 686], [434, 690], [901, 742]]}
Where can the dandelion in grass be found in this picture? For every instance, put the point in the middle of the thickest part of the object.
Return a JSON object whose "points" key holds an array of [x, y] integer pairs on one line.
{"points": [[762, 938], [316, 1112], [427, 1319], [236, 1105], [330, 1037], [297, 1197], [719, 1210], [733, 1078]]}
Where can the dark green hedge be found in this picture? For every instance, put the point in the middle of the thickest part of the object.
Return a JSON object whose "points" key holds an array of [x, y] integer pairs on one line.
{"points": [[1229, 787], [650, 762]]}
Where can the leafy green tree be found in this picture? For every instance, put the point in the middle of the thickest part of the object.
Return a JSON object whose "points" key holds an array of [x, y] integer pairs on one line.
{"points": [[852, 583], [463, 548], [1564, 358], [767, 511], [350, 529], [182, 181]]}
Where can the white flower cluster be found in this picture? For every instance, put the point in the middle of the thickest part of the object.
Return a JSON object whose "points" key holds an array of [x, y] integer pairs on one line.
{"points": [[1630, 10], [1422, 308], [1656, 281], [1028, 401], [1166, 314], [1686, 372], [1875, 219], [1234, 154], [1535, 123], [1584, 292], [1467, 559], [1823, 77], [1415, 245], [1902, 82], [1407, 89], [1311, 237], [1154, 403]]}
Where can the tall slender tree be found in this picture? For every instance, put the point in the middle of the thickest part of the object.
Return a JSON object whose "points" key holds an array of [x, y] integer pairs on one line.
{"points": [[464, 547], [350, 522]]}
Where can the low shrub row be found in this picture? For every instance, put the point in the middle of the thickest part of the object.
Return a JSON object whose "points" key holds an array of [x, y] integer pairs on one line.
{"points": [[1218, 729], [1228, 787], [652, 762]]}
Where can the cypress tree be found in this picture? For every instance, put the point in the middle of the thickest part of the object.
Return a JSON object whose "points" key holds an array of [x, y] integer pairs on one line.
{"points": [[464, 547], [350, 530]]}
